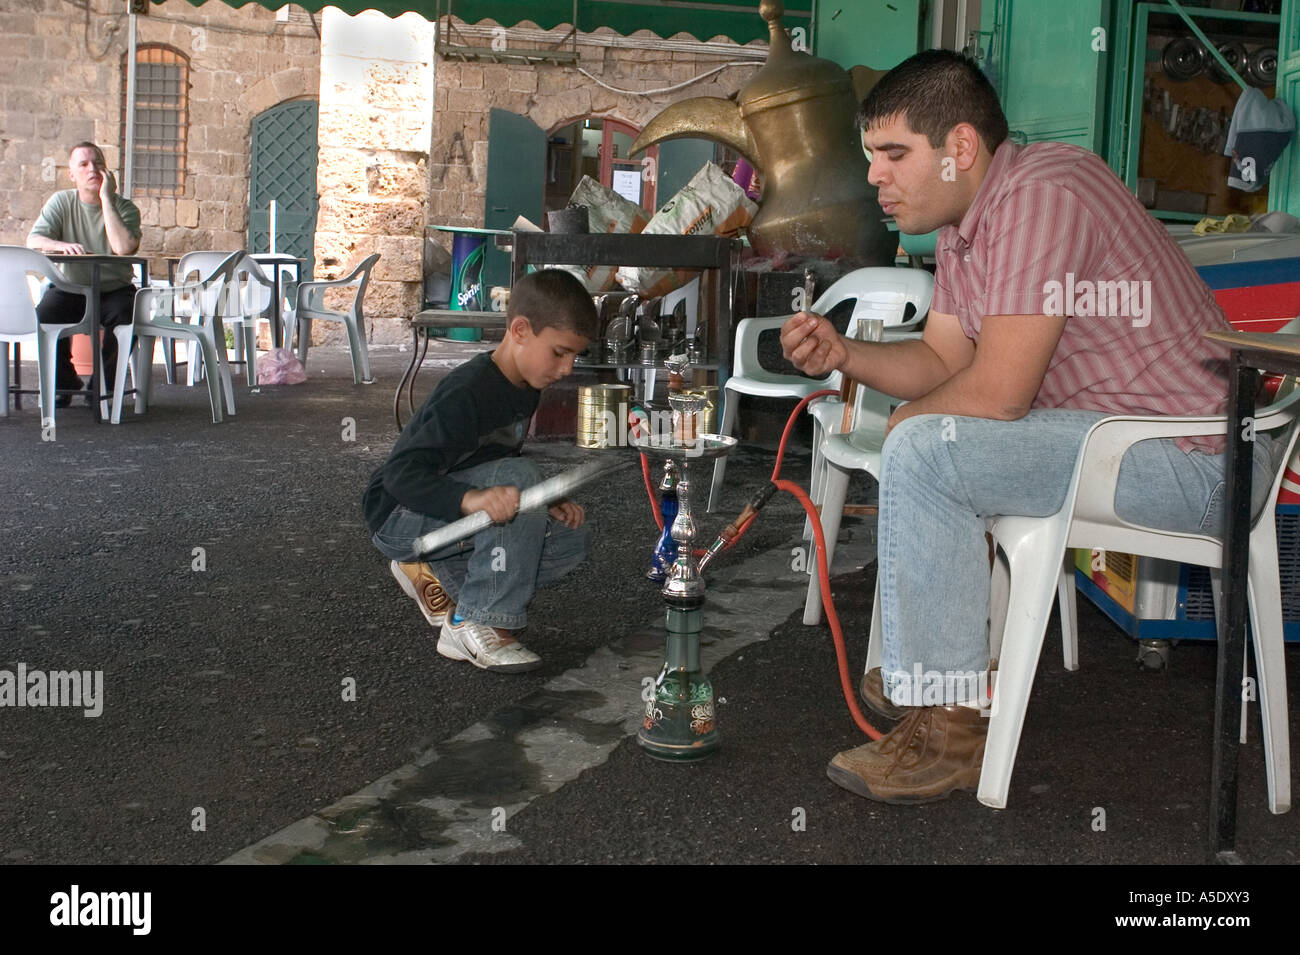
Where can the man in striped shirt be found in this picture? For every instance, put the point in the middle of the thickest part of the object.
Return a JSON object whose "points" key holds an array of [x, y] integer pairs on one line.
{"points": [[1058, 300]]}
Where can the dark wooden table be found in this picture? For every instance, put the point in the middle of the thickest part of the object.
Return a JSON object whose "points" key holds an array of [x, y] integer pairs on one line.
{"points": [[96, 262], [1250, 353]]}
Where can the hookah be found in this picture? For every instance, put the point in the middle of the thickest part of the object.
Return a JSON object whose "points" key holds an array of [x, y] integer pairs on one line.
{"points": [[680, 722]]}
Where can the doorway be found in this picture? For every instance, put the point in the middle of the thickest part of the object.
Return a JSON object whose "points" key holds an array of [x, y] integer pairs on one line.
{"points": [[599, 148], [283, 166]]}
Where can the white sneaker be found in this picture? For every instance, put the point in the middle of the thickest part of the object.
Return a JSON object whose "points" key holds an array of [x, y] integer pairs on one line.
{"points": [[488, 648]]}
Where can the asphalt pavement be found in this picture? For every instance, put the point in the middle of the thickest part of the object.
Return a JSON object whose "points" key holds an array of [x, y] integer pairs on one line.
{"points": [[270, 695]]}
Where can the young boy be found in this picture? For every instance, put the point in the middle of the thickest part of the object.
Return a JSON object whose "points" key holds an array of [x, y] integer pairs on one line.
{"points": [[459, 455]]}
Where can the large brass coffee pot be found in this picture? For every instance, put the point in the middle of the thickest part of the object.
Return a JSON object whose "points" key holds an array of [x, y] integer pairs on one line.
{"points": [[795, 123]]}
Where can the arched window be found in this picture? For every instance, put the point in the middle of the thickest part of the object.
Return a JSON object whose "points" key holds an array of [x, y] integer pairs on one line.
{"points": [[162, 119]]}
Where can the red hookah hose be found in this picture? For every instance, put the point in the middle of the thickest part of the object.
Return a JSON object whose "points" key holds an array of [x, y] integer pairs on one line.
{"points": [[832, 618], [819, 538]]}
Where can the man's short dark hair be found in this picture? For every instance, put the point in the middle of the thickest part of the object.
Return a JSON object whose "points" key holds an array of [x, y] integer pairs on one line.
{"points": [[85, 144], [553, 298], [934, 91]]}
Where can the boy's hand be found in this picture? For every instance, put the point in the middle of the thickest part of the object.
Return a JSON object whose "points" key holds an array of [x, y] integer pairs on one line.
{"points": [[567, 513], [500, 502], [812, 344]]}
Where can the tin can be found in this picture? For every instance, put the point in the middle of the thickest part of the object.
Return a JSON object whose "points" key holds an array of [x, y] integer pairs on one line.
{"points": [[602, 415]]}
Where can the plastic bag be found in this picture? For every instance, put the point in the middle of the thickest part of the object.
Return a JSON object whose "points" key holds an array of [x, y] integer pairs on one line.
{"points": [[280, 367], [710, 204]]}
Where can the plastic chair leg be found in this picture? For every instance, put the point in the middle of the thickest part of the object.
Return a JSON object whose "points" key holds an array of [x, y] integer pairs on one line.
{"points": [[4, 380], [730, 401], [836, 486], [250, 353], [144, 372], [816, 479], [873, 640], [999, 590], [124, 335], [1034, 549], [1069, 606], [1270, 663], [304, 339], [361, 357], [48, 351], [125, 355], [218, 375]]}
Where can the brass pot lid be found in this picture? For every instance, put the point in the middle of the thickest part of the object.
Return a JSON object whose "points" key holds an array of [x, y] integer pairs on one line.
{"points": [[788, 76]]}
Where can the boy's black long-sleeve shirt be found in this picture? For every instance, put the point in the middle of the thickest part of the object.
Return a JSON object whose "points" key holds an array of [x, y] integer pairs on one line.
{"points": [[475, 415]]}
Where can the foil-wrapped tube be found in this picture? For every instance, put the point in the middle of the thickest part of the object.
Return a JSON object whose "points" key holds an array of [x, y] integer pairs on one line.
{"points": [[539, 495]]}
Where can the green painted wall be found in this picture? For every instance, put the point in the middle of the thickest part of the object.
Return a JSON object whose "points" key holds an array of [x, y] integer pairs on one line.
{"points": [[875, 33]]}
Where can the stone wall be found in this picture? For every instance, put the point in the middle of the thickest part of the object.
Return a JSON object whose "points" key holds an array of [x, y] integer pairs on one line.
{"points": [[61, 82], [555, 96], [376, 120]]}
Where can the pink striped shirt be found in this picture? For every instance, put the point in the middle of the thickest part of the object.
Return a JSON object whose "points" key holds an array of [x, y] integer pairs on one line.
{"points": [[1053, 231]]}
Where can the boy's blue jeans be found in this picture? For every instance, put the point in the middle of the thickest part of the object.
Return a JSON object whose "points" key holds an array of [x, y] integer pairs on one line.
{"points": [[942, 475], [492, 576]]}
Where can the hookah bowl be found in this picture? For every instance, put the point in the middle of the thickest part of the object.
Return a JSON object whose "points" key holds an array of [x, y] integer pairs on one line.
{"points": [[680, 721]]}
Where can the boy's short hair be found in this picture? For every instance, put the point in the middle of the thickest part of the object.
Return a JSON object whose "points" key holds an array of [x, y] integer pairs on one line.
{"points": [[554, 298], [934, 91]]}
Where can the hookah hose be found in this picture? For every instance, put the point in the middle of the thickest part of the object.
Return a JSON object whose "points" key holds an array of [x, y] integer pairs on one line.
{"points": [[736, 530]]}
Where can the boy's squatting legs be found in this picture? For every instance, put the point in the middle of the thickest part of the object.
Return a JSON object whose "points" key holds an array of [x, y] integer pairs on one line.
{"points": [[492, 576]]}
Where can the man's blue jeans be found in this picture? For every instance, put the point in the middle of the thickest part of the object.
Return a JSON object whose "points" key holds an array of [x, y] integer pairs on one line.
{"points": [[493, 575], [942, 475]]}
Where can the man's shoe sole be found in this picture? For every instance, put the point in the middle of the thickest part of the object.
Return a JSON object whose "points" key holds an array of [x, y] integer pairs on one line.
{"points": [[854, 784]]}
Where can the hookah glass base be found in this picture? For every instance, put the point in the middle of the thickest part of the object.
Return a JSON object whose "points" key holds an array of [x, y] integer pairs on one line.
{"points": [[679, 724]]}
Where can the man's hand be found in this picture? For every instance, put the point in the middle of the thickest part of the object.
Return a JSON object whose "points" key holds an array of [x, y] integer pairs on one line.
{"points": [[67, 248], [500, 502], [107, 186], [812, 344], [567, 513]]}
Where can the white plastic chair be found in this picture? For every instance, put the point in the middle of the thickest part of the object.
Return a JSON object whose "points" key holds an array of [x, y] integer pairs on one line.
{"points": [[18, 322], [837, 454], [188, 304], [750, 378], [311, 305], [1035, 550], [156, 317], [245, 302]]}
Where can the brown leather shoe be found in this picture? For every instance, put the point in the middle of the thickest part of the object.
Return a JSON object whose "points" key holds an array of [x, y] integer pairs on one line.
{"points": [[934, 750], [420, 584], [872, 691]]}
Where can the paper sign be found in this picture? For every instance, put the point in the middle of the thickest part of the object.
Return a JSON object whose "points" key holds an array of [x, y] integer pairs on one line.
{"points": [[627, 183]]}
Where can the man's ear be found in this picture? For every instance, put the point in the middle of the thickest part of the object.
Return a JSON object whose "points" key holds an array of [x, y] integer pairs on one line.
{"points": [[964, 145]]}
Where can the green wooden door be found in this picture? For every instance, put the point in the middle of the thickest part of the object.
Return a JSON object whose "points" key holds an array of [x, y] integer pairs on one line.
{"points": [[283, 165], [1284, 183], [515, 183], [1051, 77]]}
